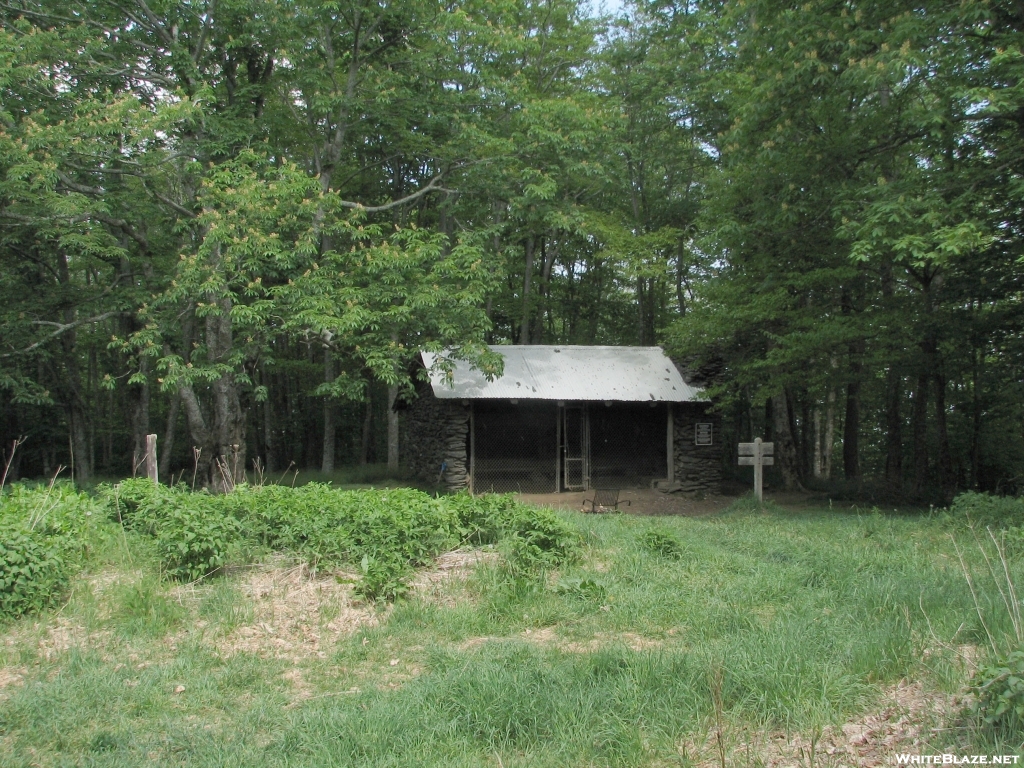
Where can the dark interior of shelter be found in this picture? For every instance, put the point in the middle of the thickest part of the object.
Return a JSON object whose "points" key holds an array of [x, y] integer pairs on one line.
{"points": [[542, 447]]}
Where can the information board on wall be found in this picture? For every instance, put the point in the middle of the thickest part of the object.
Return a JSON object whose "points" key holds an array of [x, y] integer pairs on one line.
{"points": [[702, 434]]}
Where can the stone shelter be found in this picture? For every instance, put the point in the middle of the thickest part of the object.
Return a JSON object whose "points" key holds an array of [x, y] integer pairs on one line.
{"points": [[564, 418]]}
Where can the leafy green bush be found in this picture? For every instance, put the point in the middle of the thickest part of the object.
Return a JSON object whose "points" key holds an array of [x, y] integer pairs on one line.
{"points": [[999, 690], [482, 518], [193, 540], [661, 543], [982, 509], [384, 578], [140, 505], [535, 539], [42, 543], [33, 571], [385, 533], [194, 532]]}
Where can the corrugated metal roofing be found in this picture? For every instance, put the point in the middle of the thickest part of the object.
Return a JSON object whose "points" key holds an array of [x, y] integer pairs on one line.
{"points": [[536, 372]]}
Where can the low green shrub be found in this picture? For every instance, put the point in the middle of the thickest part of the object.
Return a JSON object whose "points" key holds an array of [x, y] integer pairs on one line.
{"points": [[661, 543], [34, 571], [42, 544], [482, 518], [984, 510], [193, 540], [136, 503], [384, 578], [999, 690], [534, 540], [194, 532], [385, 532]]}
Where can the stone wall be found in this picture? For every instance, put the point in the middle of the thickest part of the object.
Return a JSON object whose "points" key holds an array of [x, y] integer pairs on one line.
{"points": [[437, 431], [698, 468]]}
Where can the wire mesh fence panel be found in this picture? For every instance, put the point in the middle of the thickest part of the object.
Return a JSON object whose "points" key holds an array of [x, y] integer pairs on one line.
{"points": [[627, 444], [515, 447], [575, 451]]}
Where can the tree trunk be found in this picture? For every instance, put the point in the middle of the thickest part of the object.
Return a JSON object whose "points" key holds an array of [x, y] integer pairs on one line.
{"points": [[548, 253], [830, 435], [919, 427], [851, 432], [168, 441], [807, 445], [222, 458], [94, 415], [817, 442], [893, 389], [641, 307], [680, 298], [976, 363], [368, 427], [228, 419], [199, 433], [269, 440], [392, 429], [74, 402], [786, 456], [79, 442], [140, 419], [947, 482], [893, 429], [524, 325], [327, 465]]}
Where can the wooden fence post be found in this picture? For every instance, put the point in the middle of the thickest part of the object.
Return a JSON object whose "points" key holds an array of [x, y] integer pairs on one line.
{"points": [[151, 463]]}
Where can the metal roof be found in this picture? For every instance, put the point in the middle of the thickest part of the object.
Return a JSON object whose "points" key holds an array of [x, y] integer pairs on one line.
{"points": [[536, 372]]}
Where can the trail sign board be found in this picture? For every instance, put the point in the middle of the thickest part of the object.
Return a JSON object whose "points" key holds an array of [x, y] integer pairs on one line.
{"points": [[758, 455], [702, 434]]}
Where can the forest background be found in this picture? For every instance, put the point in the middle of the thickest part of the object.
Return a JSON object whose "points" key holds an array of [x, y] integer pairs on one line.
{"points": [[235, 222]]}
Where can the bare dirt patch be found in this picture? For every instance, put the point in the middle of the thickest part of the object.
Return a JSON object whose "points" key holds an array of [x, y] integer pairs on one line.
{"points": [[63, 635], [299, 614], [906, 723], [439, 584], [10, 677], [642, 501], [296, 613]]}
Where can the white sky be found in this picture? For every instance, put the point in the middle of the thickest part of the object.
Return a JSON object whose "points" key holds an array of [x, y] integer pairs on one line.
{"points": [[613, 7]]}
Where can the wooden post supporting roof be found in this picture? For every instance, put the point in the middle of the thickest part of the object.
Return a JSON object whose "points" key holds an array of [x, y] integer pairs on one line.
{"points": [[472, 450], [670, 443]]}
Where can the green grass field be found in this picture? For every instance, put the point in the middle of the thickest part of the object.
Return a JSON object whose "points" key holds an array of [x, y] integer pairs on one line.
{"points": [[669, 641]]}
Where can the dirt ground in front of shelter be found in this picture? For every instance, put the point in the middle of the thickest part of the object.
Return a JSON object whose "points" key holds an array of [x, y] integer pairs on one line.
{"points": [[643, 501]]}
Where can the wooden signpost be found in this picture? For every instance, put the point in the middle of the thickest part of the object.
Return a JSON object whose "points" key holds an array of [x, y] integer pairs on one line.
{"points": [[758, 455], [151, 464]]}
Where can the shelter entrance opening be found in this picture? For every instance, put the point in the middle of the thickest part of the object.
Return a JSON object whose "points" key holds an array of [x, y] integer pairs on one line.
{"points": [[541, 447], [628, 447], [575, 448]]}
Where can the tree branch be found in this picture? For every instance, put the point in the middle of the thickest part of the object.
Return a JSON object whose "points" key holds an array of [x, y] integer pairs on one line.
{"points": [[431, 187], [173, 205], [83, 189], [61, 328]]}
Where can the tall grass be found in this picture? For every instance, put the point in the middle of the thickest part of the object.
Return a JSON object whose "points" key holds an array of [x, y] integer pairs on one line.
{"points": [[657, 634]]}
